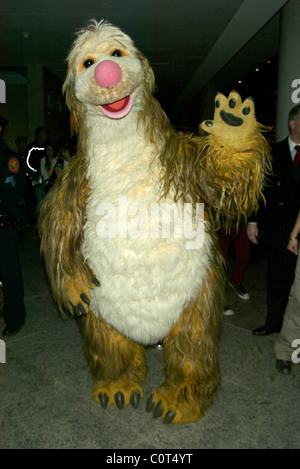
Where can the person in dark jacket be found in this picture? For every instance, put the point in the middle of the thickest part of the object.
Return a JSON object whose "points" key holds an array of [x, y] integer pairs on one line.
{"points": [[289, 337], [12, 205], [278, 218]]}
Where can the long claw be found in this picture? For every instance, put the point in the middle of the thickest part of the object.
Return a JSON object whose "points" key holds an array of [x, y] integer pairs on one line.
{"points": [[96, 282], [150, 404], [119, 400], [76, 311], [81, 309], [169, 416], [85, 299], [135, 399], [158, 411], [103, 400]]}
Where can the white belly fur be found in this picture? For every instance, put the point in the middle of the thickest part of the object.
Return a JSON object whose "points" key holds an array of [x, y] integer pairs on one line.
{"points": [[145, 282]]}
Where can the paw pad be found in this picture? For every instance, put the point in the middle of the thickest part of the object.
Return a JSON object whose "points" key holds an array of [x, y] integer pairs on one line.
{"points": [[234, 119], [232, 110]]}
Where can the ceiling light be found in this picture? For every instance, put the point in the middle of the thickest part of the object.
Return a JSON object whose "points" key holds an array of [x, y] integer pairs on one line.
{"points": [[26, 34]]}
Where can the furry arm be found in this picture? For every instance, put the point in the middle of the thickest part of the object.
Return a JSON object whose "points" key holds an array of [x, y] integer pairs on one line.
{"points": [[235, 159], [60, 227], [226, 169]]}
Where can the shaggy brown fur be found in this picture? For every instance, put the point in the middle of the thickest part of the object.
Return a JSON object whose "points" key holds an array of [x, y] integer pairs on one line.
{"points": [[117, 363], [191, 366], [191, 354], [228, 182], [61, 220], [228, 179]]}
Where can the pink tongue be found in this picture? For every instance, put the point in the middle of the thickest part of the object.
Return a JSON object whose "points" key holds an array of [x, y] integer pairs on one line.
{"points": [[116, 106]]}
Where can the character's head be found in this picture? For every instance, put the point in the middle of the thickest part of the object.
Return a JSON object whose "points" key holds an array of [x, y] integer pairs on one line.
{"points": [[107, 75]]}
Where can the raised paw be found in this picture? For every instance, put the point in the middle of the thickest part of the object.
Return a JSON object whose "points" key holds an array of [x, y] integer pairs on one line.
{"points": [[234, 120], [78, 294], [175, 404], [119, 393]]}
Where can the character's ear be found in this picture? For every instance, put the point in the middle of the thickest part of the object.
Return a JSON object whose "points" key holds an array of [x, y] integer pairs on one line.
{"points": [[68, 86], [72, 102], [149, 79]]}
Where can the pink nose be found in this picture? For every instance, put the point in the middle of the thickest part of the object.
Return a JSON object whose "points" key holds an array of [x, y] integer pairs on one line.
{"points": [[108, 73]]}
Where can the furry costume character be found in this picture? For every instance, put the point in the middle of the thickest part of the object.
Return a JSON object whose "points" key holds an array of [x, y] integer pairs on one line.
{"points": [[135, 290]]}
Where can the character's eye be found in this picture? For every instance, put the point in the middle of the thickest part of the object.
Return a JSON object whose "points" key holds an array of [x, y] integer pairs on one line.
{"points": [[116, 53], [88, 62]]}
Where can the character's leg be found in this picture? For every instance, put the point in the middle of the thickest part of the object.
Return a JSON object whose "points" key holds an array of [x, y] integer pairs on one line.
{"points": [[117, 363], [191, 358]]}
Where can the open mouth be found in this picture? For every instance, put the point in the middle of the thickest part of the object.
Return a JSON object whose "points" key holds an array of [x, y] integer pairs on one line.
{"points": [[117, 109]]}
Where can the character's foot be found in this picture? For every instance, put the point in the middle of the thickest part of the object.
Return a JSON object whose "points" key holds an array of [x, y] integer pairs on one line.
{"points": [[176, 404], [234, 121], [78, 293], [119, 393]]}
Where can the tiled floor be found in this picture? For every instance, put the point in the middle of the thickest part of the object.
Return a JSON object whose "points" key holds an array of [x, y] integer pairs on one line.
{"points": [[45, 385]]}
